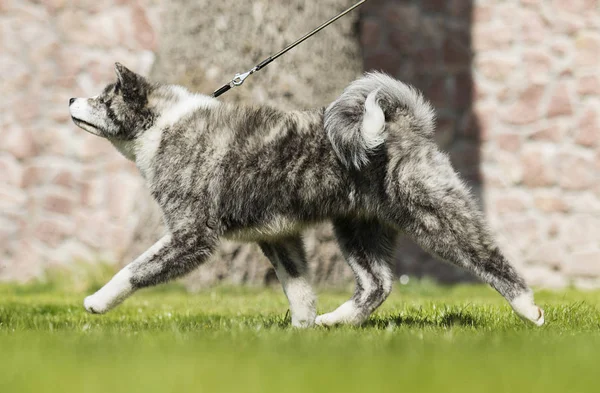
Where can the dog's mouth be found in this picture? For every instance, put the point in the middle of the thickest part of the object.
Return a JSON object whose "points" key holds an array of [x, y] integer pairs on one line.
{"points": [[89, 127]]}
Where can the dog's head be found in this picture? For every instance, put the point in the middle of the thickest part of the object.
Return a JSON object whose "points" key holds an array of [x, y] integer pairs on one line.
{"points": [[120, 112]]}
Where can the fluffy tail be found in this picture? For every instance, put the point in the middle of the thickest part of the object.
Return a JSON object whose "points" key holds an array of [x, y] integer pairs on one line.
{"points": [[356, 121]]}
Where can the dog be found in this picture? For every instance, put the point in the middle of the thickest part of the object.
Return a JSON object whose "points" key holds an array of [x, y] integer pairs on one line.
{"points": [[367, 163]]}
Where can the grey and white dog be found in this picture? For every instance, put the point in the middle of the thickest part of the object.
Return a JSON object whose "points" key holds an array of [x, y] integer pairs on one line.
{"points": [[367, 163]]}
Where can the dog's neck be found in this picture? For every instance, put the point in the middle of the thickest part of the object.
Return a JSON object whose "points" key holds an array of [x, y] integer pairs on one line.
{"points": [[176, 103], [143, 148], [125, 147]]}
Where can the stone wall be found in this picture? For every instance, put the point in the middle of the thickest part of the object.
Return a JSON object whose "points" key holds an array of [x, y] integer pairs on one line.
{"points": [[205, 51], [537, 88], [516, 84], [65, 195], [428, 44]]}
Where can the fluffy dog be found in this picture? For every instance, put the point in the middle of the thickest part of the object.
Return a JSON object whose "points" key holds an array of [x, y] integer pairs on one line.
{"points": [[367, 163]]}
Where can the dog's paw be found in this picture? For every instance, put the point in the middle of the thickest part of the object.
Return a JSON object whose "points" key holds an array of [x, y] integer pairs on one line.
{"points": [[526, 309], [329, 319], [539, 321], [346, 314], [94, 305], [333, 319], [303, 323], [536, 316], [304, 318]]}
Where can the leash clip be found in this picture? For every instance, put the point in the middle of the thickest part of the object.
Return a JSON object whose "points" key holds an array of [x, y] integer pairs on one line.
{"points": [[238, 79]]}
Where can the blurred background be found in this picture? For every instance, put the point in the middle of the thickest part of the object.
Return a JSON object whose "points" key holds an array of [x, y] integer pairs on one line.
{"points": [[516, 85]]}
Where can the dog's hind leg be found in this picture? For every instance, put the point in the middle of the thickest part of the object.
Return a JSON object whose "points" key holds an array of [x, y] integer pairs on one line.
{"points": [[172, 256], [433, 207], [367, 247], [289, 259]]}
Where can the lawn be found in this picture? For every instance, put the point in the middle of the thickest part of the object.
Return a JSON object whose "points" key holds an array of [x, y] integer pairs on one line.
{"points": [[425, 338]]}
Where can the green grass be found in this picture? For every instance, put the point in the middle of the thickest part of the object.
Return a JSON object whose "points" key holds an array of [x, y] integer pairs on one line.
{"points": [[425, 338]]}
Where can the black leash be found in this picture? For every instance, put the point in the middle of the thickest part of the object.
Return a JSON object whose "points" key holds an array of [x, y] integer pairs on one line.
{"points": [[238, 79]]}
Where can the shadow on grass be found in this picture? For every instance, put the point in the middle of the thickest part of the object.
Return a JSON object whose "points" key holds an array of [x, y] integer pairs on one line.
{"points": [[448, 319]]}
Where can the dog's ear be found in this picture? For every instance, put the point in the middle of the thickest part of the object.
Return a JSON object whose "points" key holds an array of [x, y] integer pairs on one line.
{"points": [[124, 74], [134, 86]]}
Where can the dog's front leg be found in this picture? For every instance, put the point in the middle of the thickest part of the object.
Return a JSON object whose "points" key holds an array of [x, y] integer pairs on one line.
{"points": [[172, 256]]}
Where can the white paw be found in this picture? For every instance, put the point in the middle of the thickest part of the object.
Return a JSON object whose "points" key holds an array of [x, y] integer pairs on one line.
{"points": [[303, 323], [94, 305], [540, 320], [347, 313], [528, 310], [304, 319], [110, 295], [303, 303], [535, 316], [329, 319]]}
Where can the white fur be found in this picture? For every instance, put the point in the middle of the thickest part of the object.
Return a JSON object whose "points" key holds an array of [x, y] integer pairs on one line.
{"points": [[187, 104], [80, 110], [525, 307], [391, 92], [302, 301], [347, 313], [407, 95], [111, 295], [278, 227], [147, 144], [119, 287], [301, 298], [373, 123], [125, 147]]}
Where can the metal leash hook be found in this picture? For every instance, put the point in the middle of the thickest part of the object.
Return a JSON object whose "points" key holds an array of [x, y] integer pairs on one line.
{"points": [[239, 79]]}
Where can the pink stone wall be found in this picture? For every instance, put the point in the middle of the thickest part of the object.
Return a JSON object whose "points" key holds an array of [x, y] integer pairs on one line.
{"points": [[64, 195], [516, 84], [537, 95]]}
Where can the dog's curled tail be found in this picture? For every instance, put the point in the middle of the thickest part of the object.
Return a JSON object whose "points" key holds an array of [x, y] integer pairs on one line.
{"points": [[356, 121]]}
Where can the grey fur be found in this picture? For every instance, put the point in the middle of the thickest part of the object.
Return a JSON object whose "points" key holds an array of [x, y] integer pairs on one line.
{"points": [[262, 174], [367, 246], [343, 118], [289, 260]]}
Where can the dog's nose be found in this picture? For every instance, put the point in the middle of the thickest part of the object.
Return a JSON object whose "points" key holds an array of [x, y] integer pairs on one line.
{"points": [[71, 100]]}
